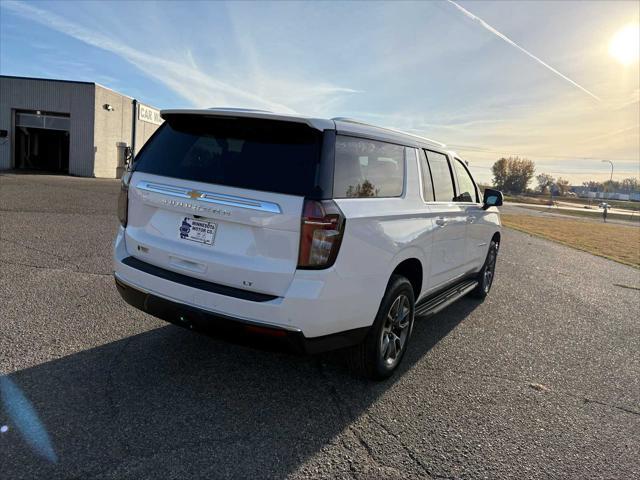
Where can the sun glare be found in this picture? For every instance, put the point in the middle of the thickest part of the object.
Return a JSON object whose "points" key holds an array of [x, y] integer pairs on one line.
{"points": [[625, 44]]}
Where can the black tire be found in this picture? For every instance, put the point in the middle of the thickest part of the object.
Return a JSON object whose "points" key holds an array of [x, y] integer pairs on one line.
{"points": [[379, 355], [487, 274]]}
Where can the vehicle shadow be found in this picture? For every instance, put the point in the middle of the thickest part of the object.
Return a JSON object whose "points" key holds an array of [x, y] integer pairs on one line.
{"points": [[169, 403]]}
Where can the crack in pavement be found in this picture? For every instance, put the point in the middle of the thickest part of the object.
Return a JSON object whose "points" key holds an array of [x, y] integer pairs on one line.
{"points": [[340, 404], [56, 212], [61, 257], [630, 287], [84, 272], [189, 447], [346, 416], [412, 453], [578, 396], [66, 260]]}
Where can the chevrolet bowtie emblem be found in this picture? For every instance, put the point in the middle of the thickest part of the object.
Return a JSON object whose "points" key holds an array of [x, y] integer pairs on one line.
{"points": [[195, 194]]}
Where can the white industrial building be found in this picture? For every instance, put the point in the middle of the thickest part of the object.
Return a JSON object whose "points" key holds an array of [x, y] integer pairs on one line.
{"points": [[77, 128]]}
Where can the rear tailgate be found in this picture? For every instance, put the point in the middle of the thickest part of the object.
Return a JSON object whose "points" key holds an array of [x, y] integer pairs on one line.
{"points": [[221, 200], [253, 243]]}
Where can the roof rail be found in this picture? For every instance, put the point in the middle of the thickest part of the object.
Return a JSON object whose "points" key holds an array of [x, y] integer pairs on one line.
{"points": [[359, 122], [350, 120]]}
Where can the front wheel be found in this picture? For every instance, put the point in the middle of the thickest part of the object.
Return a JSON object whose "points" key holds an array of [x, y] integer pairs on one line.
{"points": [[386, 343], [486, 275]]}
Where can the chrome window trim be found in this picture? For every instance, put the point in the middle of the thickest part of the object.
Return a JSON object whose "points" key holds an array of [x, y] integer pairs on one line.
{"points": [[454, 180], [434, 203], [210, 197], [420, 179], [473, 180]]}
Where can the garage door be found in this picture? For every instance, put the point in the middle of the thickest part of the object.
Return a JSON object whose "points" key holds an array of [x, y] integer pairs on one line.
{"points": [[42, 142]]}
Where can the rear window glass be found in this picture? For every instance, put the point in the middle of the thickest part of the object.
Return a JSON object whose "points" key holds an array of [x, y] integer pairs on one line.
{"points": [[256, 154], [367, 168], [441, 176]]}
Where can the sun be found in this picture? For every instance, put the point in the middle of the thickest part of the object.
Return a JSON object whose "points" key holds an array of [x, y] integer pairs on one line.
{"points": [[625, 43]]}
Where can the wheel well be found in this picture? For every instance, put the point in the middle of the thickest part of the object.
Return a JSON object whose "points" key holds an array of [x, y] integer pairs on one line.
{"points": [[411, 268]]}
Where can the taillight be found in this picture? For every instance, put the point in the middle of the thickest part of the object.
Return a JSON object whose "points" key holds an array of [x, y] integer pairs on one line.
{"points": [[123, 199], [321, 234]]}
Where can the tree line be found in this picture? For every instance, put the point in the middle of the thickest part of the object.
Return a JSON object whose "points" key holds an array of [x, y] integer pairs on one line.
{"points": [[513, 175], [626, 185]]}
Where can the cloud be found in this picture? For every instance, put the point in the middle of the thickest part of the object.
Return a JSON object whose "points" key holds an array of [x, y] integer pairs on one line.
{"points": [[511, 42], [185, 78], [277, 57], [634, 129]]}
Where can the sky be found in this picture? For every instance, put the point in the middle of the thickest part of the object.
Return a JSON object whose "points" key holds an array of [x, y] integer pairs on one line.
{"points": [[489, 79]]}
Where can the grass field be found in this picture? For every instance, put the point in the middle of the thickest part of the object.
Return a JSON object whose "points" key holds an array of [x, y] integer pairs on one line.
{"points": [[627, 204], [616, 242], [525, 199], [544, 200], [597, 214]]}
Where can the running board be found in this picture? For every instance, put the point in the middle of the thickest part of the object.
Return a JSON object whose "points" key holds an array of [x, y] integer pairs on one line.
{"points": [[444, 299]]}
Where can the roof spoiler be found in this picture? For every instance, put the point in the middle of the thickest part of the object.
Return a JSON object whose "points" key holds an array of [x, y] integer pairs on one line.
{"points": [[317, 123]]}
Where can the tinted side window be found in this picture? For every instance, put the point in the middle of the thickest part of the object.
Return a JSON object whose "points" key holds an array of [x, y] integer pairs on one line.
{"points": [[427, 186], [441, 176], [466, 186], [367, 168]]}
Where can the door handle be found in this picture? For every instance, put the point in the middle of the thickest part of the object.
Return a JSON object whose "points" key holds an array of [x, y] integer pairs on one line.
{"points": [[441, 221], [471, 218]]}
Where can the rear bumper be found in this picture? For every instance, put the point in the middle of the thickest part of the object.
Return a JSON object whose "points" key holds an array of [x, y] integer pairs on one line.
{"points": [[218, 324], [322, 308]]}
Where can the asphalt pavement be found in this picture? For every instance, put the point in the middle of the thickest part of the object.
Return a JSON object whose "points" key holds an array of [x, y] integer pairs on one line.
{"points": [[542, 380]]}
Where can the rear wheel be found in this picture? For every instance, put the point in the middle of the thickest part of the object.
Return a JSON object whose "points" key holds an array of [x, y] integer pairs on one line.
{"points": [[486, 275], [386, 343]]}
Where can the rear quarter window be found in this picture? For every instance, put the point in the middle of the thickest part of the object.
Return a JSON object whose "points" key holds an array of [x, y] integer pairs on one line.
{"points": [[367, 168]]}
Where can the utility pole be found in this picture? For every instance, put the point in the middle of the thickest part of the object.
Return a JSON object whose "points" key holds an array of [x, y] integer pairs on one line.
{"points": [[611, 176]]}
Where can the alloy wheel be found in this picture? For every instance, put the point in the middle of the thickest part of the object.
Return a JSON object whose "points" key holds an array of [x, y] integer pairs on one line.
{"points": [[489, 270], [395, 330]]}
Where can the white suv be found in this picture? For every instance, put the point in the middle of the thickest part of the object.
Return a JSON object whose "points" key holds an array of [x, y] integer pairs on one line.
{"points": [[323, 233]]}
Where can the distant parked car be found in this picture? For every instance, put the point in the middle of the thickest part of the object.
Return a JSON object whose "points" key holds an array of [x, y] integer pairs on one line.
{"points": [[604, 204]]}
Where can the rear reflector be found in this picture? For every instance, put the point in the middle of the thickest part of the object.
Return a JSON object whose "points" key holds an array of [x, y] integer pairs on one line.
{"points": [[320, 235]]}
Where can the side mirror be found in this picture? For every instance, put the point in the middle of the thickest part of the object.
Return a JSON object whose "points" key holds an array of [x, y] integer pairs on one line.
{"points": [[492, 198]]}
